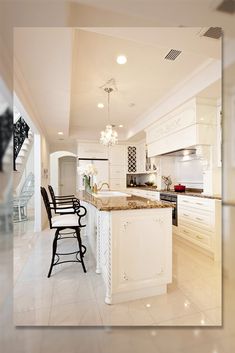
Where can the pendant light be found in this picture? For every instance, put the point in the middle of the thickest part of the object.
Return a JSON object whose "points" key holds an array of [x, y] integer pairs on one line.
{"points": [[109, 137]]}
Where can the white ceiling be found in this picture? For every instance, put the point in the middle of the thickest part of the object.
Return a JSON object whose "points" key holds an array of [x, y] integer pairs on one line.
{"points": [[44, 56], [144, 80], [64, 69]]}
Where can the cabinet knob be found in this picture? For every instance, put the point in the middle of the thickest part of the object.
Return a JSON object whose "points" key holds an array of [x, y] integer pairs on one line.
{"points": [[125, 277]]}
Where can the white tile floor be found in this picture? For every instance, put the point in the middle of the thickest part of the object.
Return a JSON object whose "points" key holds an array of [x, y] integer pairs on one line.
{"points": [[71, 297]]}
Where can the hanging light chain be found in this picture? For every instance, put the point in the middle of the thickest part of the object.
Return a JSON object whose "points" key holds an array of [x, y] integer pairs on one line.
{"points": [[108, 90]]}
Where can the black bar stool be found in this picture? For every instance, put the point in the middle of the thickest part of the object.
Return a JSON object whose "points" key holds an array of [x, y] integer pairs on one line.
{"points": [[63, 204], [62, 222]]}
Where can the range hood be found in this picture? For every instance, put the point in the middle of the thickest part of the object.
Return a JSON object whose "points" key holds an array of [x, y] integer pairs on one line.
{"points": [[191, 151]]}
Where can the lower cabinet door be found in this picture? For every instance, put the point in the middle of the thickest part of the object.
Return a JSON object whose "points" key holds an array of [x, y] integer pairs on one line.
{"points": [[144, 251]]}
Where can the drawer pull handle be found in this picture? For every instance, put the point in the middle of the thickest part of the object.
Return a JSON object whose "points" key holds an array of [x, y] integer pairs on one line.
{"points": [[186, 232], [185, 214], [199, 237], [185, 201], [199, 219], [200, 203]]}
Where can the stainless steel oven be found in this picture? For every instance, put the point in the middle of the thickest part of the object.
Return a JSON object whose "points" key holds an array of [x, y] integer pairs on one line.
{"points": [[173, 199]]}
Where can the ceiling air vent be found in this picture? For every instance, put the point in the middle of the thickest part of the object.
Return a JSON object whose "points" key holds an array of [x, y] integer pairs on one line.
{"points": [[172, 55], [213, 32], [227, 6]]}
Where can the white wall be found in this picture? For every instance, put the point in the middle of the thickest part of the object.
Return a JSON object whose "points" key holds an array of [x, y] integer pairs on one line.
{"points": [[167, 167], [189, 173], [54, 168]]}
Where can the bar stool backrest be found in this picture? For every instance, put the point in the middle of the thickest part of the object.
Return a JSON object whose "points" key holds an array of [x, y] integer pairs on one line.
{"points": [[50, 188], [47, 204]]}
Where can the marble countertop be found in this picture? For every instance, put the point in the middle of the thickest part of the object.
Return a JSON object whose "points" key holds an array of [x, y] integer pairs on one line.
{"points": [[121, 202], [172, 192]]}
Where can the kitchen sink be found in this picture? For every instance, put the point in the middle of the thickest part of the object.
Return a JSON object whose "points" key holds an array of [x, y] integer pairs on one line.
{"points": [[110, 194]]}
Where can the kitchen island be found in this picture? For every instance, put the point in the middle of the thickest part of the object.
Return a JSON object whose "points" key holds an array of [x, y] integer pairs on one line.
{"points": [[131, 239]]}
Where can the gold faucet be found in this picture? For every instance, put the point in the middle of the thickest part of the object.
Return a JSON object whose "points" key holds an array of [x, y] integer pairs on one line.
{"points": [[102, 186]]}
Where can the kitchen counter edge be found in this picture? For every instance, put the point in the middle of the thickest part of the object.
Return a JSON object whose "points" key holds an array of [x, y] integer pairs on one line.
{"points": [[172, 192]]}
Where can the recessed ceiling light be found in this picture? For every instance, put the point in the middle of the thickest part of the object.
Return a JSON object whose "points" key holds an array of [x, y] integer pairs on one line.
{"points": [[121, 59], [148, 305], [120, 125], [60, 133], [100, 105]]}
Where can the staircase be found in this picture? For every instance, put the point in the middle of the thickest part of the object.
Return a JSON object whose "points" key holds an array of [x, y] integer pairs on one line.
{"points": [[22, 143], [5, 137]]}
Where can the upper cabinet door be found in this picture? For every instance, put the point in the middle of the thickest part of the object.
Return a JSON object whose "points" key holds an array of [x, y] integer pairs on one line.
{"points": [[92, 151], [141, 158], [117, 155]]}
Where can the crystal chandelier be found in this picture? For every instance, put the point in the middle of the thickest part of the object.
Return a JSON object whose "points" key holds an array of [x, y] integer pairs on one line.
{"points": [[109, 136]]}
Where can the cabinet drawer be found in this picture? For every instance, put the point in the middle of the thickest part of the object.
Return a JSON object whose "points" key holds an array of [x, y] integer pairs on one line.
{"points": [[117, 171], [196, 237], [197, 219], [195, 227], [196, 202], [117, 184], [136, 192], [153, 195]]}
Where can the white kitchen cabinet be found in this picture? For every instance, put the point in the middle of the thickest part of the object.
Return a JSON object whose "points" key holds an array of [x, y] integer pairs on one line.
{"points": [[131, 272], [199, 222], [193, 123], [117, 171], [92, 150], [117, 167], [134, 264], [141, 158], [117, 155], [117, 183]]}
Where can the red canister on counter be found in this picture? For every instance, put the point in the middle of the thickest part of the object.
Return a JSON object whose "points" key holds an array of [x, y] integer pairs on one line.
{"points": [[179, 188]]}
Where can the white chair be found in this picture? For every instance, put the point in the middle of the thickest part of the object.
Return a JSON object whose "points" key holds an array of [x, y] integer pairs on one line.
{"points": [[20, 202]]}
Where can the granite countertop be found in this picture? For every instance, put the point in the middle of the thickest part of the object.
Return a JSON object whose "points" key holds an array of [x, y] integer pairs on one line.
{"points": [[172, 192], [121, 202]]}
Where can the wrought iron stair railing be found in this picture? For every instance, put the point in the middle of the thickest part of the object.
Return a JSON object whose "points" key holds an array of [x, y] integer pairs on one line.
{"points": [[21, 130], [6, 128]]}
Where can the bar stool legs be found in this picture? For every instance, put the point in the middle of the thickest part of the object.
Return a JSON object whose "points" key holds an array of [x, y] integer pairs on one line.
{"points": [[54, 247], [81, 252], [81, 249]]}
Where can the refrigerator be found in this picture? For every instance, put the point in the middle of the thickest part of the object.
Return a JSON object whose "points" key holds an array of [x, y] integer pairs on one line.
{"points": [[102, 168]]}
